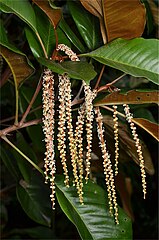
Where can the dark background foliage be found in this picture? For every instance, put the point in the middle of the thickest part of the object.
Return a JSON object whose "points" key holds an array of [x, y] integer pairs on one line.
{"points": [[15, 223]]}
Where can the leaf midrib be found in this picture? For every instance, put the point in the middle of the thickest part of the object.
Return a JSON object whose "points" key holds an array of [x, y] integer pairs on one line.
{"points": [[125, 64], [76, 210]]}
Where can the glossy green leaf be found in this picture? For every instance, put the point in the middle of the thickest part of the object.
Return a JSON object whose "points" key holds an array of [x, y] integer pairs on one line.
{"points": [[137, 57], [34, 199], [87, 25], [34, 43], [92, 219], [71, 35], [78, 70], [45, 31], [47, 34], [131, 97], [22, 8]]}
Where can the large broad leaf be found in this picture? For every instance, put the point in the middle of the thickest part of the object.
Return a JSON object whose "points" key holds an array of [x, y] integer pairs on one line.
{"points": [[18, 65], [71, 35], [87, 25], [78, 70], [92, 219], [138, 57], [34, 43], [34, 199], [131, 97], [53, 14], [22, 8], [118, 18], [148, 126], [18, 62], [46, 32]]}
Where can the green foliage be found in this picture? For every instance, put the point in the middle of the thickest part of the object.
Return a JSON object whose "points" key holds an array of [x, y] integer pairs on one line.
{"points": [[81, 71], [29, 34], [34, 199], [138, 57], [93, 219], [23, 10]]}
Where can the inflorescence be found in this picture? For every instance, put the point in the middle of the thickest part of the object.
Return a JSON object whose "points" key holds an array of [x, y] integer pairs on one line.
{"points": [[75, 137]]}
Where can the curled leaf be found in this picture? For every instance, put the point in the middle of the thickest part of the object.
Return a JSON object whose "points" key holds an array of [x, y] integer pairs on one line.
{"points": [[114, 17], [18, 65], [137, 57], [53, 14], [131, 97]]}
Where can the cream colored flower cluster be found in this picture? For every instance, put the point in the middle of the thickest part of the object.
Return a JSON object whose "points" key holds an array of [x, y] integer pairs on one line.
{"points": [[61, 137], [129, 118], [89, 97], [115, 119], [108, 170], [79, 146], [68, 51], [48, 129], [74, 138]]}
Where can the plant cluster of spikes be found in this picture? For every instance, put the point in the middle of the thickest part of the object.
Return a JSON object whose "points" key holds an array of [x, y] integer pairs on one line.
{"points": [[74, 137]]}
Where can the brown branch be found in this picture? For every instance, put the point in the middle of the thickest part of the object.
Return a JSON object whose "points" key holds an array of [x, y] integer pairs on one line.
{"points": [[100, 76], [78, 95], [54, 54], [31, 103], [12, 128], [77, 101], [105, 87]]}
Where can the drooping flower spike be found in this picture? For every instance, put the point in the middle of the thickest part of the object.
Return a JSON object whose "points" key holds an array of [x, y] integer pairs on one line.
{"points": [[48, 129], [129, 118], [115, 119], [75, 137], [108, 171]]}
